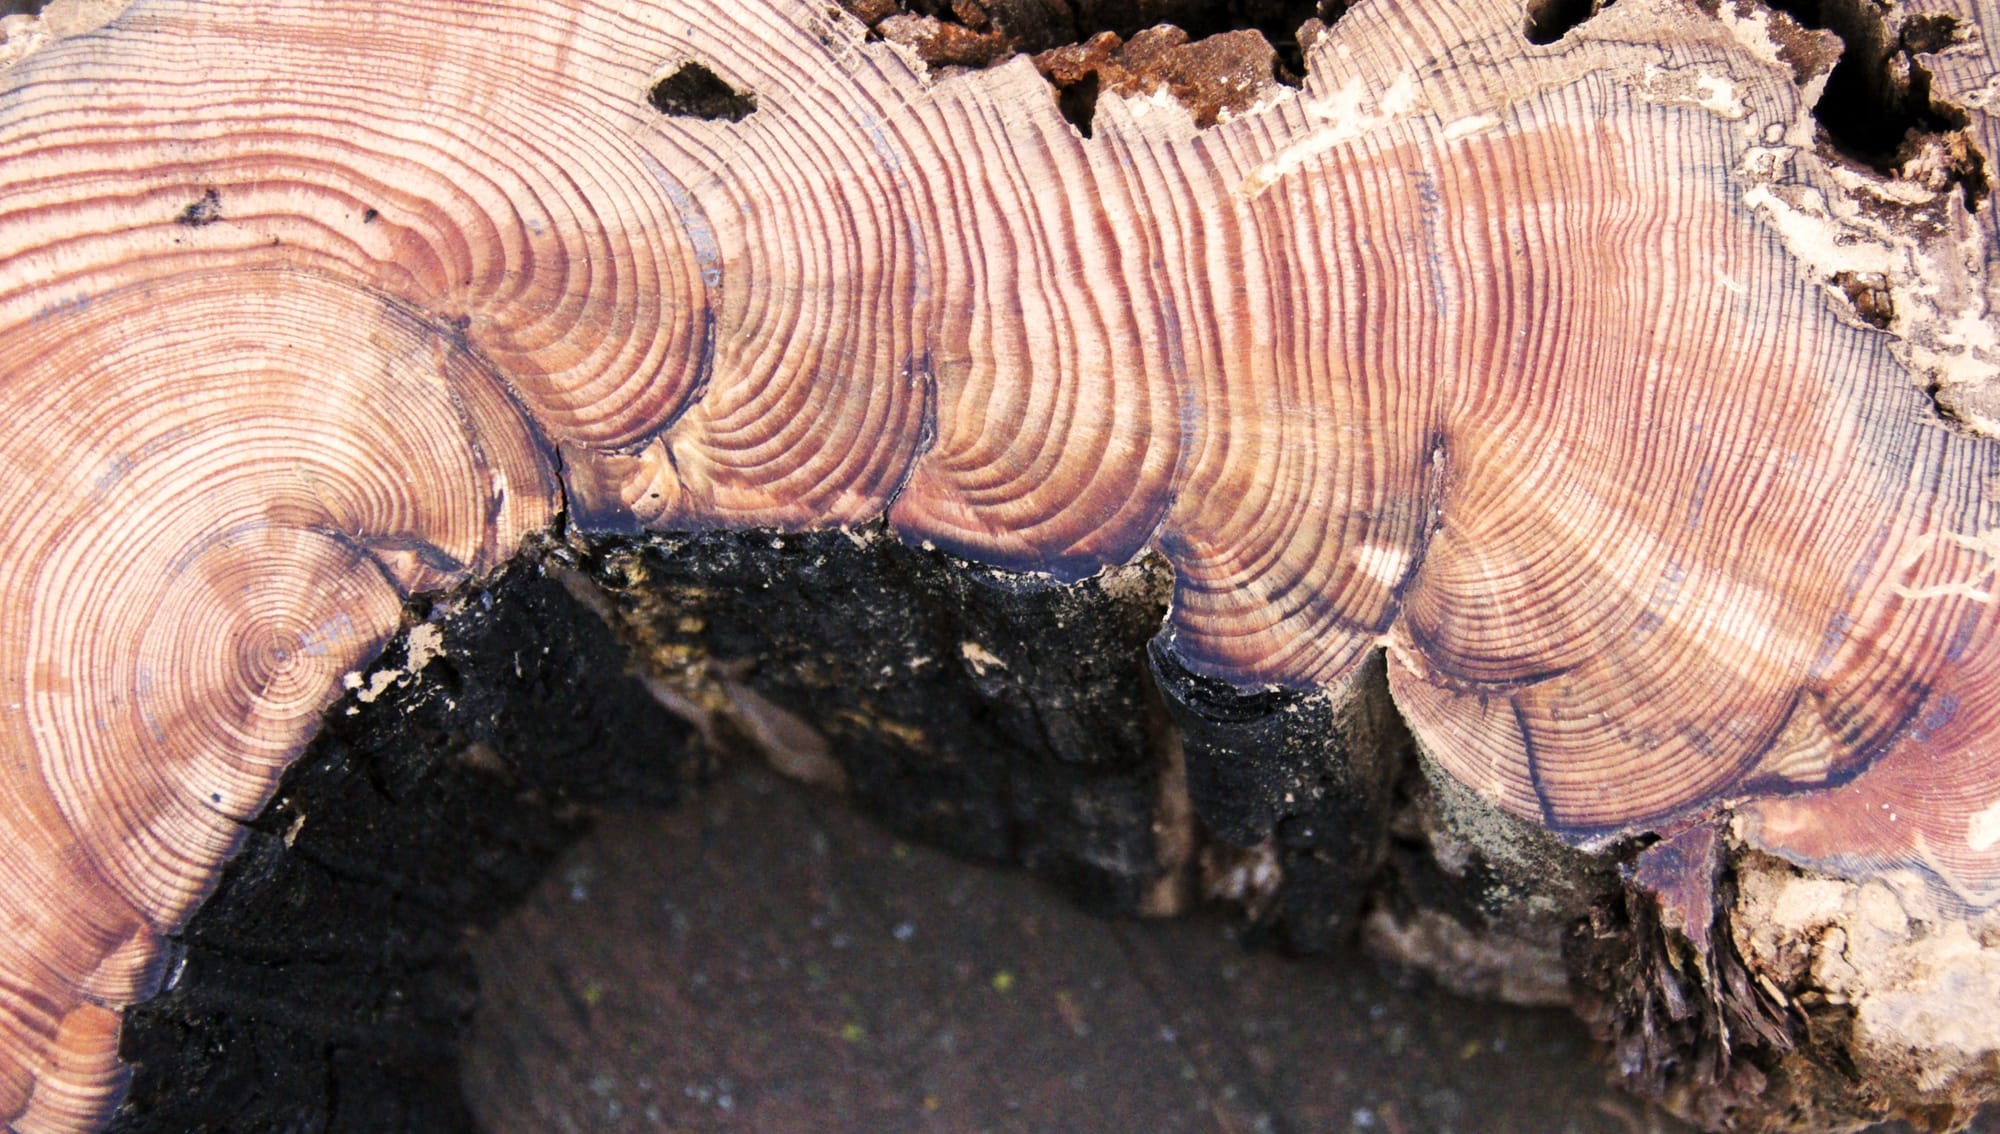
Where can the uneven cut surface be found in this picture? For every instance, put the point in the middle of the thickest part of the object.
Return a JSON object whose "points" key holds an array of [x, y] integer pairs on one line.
{"points": [[1510, 357]]}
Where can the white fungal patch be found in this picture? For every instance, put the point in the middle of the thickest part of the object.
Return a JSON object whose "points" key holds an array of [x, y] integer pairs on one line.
{"points": [[1345, 115], [1978, 589], [1468, 126], [1806, 223], [1685, 86], [1984, 828], [426, 644], [981, 659]]}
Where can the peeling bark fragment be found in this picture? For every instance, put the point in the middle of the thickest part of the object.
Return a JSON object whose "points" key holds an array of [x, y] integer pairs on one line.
{"points": [[1215, 77], [1687, 1024], [1680, 874], [1133, 49], [940, 44], [1869, 292]]}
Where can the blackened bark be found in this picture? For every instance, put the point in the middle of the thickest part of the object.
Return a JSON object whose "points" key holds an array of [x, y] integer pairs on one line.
{"points": [[325, 984]]}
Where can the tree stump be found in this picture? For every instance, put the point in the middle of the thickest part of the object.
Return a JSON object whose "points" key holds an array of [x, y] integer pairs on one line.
{"points": [[1519, 484]]}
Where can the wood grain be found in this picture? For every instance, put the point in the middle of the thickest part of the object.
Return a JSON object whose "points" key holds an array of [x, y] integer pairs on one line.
{"points": [[1492, 354]]}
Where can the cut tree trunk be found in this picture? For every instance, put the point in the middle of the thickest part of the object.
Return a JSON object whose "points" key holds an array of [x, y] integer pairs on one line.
{"points": [[1525, 493]]}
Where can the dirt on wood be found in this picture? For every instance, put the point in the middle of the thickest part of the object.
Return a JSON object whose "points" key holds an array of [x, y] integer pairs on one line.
{"points": [[765, 960]]}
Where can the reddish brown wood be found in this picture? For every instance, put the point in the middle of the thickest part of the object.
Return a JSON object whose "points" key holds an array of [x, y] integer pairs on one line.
{"points": [[1526, 363]]}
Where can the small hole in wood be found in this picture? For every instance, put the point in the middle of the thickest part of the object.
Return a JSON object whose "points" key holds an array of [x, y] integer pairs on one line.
{"points": [[1877, 105], [694, 91], [1550, 20], [203, 212], [1078, 102]]}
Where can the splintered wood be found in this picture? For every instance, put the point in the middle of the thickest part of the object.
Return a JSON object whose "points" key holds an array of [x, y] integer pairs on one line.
{"points": [[1525, 362]]}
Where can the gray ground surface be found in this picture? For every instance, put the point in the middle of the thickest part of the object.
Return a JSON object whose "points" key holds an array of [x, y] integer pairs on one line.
{"points": [[766, 960]]}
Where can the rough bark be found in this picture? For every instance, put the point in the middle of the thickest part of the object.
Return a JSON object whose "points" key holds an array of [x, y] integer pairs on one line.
{"points": [[325, 984]]}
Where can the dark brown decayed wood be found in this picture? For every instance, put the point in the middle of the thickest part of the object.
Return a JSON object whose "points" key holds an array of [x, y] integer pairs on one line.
{"points": [[1509, 358]]}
